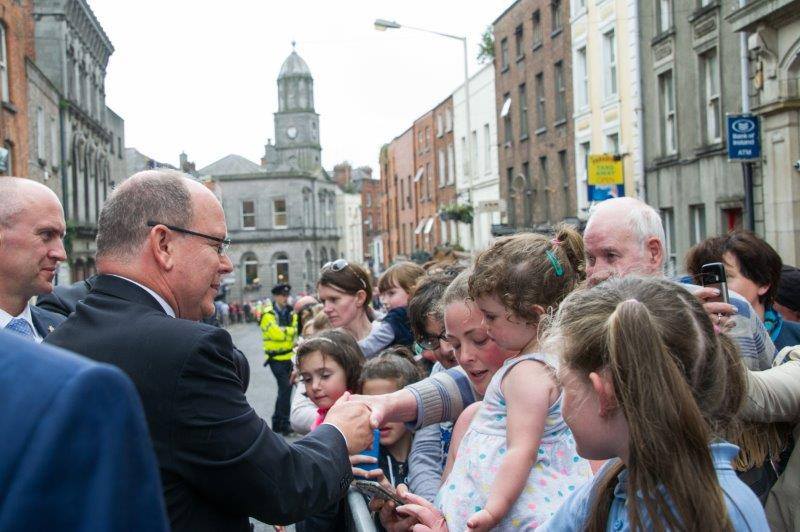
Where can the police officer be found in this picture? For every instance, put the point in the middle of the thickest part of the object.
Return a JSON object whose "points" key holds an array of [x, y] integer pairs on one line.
{"points": [[279, 331]]}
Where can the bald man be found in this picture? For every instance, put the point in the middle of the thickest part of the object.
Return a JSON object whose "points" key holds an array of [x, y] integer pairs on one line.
{"points": [[31, 247], [161, 244]]}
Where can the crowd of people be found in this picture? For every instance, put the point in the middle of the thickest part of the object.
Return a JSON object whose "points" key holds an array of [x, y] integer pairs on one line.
{"points": [[558, 382]]}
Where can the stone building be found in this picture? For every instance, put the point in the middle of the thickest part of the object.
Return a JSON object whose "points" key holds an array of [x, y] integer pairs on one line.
{"points": [[44, 131], [774, 46], [690, 79], [16, 52], [349, 223], [281, 214], [533, 69], [478, 183], [72, 51]]}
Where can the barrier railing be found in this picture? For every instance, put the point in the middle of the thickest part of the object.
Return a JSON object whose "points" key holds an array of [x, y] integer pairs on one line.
{"points": [[358, 515]]}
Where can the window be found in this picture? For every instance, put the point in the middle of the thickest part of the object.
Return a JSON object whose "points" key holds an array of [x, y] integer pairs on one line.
{"points": [[451, 162], [474, 151], [55, 155], [561, 91], [709, 66], [464, 158], [427, 136], [537, 29], [3, 65], [402, 195], [668, 219], [439, 125], [664, 15], [9, 156], [448, 120], [281, 262], [527, 204], [523, 112], [612, 143], [511, 211], [580, 5], [583, 160], [519, 42], [279, 214], [544, 174], [369, 200], [732, 218], [250, 263], [610, 64], [248, 214], [504, 54], [555, 15], [428, 180], [487, 149], [697, 223], [666, 100], [562, 167], [505, 114], [419, 140], [541, 114], [40, 135], [442, 167], [581, 79]]}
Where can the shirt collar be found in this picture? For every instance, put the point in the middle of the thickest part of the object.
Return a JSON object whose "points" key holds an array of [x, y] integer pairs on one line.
{"points": [[161, 301], [5, 317]]}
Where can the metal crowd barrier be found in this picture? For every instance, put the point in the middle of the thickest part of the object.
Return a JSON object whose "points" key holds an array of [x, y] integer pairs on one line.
{"points": [[358, 515]]}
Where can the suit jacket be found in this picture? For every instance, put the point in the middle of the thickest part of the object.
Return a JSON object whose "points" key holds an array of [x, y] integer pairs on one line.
{"points": [[64, 298], [219, 461], [45, 321], [76, 453]]}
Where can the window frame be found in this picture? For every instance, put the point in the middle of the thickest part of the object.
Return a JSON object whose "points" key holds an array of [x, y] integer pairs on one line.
{"points": [[610, 82], [243, 215], [277, 213]]}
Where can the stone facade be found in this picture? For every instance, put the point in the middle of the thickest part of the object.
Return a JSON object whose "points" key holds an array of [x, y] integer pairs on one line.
{"points": [[72, 51], [774, 48], [690, 80], [280, 214], [44, 133], [479, 185], [17, 34], [533, 69]]}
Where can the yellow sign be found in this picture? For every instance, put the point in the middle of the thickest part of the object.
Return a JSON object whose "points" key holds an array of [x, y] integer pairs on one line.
{"points": [[605, 169]]}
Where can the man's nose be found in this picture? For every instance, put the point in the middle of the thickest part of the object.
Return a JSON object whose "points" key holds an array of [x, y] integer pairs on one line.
{"points": [[58, 252], [226, 264]]}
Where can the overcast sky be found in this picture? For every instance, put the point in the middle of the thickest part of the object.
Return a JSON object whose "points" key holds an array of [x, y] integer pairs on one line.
{"points": [[200, 76]]}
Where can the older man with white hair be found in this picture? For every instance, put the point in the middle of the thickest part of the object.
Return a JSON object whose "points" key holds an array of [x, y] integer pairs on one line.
{"points": [[625, 236], [31, 247]]}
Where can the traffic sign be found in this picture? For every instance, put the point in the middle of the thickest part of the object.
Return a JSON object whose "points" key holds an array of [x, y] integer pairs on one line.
{"points": [[744, 140]]}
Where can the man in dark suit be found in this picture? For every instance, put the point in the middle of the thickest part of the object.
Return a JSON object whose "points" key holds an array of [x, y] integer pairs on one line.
{"points": [[64, 298], [31, 231], [161, 256], [76, 454]]}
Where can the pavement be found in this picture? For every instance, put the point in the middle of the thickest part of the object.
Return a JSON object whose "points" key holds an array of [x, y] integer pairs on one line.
{"points": [[262, 391]]}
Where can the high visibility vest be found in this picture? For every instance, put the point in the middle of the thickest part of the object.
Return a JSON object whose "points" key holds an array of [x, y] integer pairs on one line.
{"points": [[278, 340]]}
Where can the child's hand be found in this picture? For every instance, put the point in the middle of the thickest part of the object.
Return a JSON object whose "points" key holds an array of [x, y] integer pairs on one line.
{"points": [[481, 521], [376, 474]]}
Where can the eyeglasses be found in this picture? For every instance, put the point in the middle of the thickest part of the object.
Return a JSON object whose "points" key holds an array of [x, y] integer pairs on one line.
{"points": [[339, 265], [224, 243], [431, 343]]}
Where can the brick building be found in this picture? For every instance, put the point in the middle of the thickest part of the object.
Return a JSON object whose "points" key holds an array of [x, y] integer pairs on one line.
{"points": [[398, 201], [533, 74], [16, 50], [424, 184], [444, 169]]}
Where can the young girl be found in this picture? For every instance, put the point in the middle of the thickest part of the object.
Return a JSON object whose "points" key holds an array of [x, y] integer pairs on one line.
{"points": [[329, 364], [396, 286], [647, 379], [517, 461]]}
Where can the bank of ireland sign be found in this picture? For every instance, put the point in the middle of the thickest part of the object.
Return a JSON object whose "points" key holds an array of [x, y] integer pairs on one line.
{"points": [[744, 140]]}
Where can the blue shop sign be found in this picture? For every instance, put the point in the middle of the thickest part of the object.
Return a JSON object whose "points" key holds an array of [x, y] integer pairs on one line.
{"points": [[744, 139]]}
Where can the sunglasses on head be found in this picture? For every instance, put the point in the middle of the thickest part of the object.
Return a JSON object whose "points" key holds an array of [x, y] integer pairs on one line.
{"points": [[339, 265]]}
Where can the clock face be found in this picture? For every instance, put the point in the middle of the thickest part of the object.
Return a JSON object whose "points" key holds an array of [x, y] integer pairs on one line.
{"points": [[291, 132]]}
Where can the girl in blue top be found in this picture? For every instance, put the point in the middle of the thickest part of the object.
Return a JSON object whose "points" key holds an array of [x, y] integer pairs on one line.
{"points": [[650, 383]]}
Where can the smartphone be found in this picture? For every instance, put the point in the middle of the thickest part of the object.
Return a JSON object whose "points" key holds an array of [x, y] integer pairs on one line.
{"points": [[713, 275], [372, 451], [375, 490]]}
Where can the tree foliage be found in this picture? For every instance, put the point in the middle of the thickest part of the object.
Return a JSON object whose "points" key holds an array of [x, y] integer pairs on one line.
{"points": [[486, 47]]}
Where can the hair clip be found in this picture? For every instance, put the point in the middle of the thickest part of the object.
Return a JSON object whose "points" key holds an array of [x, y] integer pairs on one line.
{"points": [[555, 242], [554, 261]]}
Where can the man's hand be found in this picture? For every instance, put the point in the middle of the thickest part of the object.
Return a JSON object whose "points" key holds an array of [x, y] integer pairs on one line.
{"points": [[429, 518], [721, 314], [378, 405], [353, 419]]}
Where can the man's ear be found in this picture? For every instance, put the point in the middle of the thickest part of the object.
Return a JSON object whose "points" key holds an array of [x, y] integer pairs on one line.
{"points": [[654, 249], [606, 397], [162, 246]]}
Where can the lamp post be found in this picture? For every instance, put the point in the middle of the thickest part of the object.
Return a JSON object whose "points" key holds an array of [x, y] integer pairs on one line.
{"points": [[383, 25]]}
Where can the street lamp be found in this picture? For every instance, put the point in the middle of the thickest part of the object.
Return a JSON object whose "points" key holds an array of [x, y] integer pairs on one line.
{"points": [[383, 25]]}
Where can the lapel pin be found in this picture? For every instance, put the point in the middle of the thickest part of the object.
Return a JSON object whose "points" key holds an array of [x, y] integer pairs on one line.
{"points": [[50, 328]]}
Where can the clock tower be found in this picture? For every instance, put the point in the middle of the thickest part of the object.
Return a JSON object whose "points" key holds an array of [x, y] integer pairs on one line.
{"points": [[297, 145]]}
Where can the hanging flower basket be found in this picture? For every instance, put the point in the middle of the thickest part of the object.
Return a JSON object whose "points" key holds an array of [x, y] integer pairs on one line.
{"points": [[459, 213]]}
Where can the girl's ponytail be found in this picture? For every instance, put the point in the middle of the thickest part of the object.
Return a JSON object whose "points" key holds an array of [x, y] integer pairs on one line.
{"points": [[571, 242]]}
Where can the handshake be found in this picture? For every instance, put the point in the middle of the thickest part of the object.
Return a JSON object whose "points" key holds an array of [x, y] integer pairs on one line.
{"points": [[356, 416]]}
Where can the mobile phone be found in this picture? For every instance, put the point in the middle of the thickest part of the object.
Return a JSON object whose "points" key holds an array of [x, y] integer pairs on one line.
{"points": [[372, 451], [375, 490], [713, 276]]}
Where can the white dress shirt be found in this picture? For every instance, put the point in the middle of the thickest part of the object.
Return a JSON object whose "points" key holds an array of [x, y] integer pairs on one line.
{"points": [[5, 317], [161, 301]]}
